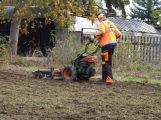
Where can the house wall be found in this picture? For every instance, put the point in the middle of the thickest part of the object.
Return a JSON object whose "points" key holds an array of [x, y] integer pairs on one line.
{"points": [[63, 35]]}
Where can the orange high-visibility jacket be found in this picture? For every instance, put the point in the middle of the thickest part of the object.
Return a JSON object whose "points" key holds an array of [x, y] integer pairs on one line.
{"points": [[108, 33]]}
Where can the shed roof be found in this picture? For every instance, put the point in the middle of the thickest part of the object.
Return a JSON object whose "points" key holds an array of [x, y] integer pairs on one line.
{"points": [[123, 24], [132, 25]]}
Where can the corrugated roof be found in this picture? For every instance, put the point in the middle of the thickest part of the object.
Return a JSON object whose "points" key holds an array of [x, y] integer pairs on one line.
{"points": [[132, 25], [123, 24]]}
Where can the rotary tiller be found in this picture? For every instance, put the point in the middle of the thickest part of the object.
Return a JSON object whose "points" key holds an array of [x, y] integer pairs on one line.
{"points": [[80, 68]]}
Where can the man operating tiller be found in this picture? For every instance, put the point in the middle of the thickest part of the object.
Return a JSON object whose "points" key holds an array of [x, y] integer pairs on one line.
{"points": [[108, 34]]}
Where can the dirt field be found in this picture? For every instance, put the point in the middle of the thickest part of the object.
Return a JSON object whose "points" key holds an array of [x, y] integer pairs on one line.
{"points": [[25, 98]]}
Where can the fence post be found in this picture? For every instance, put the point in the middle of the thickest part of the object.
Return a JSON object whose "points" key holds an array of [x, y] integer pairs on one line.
{"points": [[122, 43], [153, 56], [147, 50], [138, 47], [150, 49], [125, 51], [143, 44], [157, 44], [160, 48]]}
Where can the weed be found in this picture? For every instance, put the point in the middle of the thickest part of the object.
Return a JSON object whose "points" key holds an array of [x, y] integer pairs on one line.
{"points": [[157, 68], [130, 79], [3, 44], [66, 51], [139, 67], [145, 80], [158, 83]]}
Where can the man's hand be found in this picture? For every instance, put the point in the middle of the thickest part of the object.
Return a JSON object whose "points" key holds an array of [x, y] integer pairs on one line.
{"points": [[92, 38]]}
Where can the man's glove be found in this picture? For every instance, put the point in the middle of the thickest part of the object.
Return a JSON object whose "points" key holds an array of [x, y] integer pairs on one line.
{"points": [[92, 38]]}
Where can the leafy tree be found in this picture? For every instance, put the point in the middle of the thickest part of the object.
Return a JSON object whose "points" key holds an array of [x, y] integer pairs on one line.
{"points": [[142, 10], [58, 11], [112, 5], [156, 15]]}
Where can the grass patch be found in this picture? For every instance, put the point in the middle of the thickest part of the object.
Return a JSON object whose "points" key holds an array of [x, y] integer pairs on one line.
{"points": [[131, 79], [158, 83], [135, 79], [145, 80]]}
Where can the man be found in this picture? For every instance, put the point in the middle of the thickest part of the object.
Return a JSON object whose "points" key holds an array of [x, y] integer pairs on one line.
{"points": [[108, 34]]}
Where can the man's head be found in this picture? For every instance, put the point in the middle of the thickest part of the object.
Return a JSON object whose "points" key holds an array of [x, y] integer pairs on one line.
{"points": [[101, 17]]}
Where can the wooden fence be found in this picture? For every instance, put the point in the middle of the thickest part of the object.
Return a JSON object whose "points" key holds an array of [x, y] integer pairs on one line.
{"points": [[148, 46], [134, 44]]}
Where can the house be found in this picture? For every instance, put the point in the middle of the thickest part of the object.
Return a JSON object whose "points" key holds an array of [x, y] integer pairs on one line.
{"points": [[123, 24], [82, 27]]}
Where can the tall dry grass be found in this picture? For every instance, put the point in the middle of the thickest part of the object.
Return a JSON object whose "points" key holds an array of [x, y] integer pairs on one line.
{"points": [[125, 57]]}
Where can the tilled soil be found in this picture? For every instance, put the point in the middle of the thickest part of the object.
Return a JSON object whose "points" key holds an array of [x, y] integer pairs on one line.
{"points": [[24, 98]]}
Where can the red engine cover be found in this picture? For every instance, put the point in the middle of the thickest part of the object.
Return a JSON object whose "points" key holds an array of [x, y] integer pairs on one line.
{"points": [[90, 59], [56, 72]]}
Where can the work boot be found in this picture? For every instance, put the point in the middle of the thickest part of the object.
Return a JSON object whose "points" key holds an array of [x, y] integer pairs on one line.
{"points": [[109, 81], [106, 83], [100, 80]]}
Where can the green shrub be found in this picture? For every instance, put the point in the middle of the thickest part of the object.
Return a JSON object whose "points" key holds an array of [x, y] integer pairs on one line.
{"points": [[145, 80], [3, 44], [66, 51], [2, 48], [158, 83]]}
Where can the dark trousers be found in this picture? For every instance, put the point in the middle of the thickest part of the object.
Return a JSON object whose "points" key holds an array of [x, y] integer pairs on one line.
{"points": [[106, 55]]}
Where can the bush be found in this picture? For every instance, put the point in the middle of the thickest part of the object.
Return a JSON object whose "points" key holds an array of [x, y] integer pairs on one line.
{"points": [[3, 44], [66, 51]]}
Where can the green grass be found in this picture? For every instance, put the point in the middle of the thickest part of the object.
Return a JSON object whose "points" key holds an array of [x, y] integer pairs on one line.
{"points": [[145, 80], [158, 83], [133, 79]]}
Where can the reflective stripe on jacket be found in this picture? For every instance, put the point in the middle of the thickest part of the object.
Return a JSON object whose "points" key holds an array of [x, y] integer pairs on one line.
{"points": [[108, 33]]}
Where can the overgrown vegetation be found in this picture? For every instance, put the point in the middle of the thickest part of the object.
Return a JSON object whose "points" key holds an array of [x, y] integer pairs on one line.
{"points": [[3, 44], [129, 64]]}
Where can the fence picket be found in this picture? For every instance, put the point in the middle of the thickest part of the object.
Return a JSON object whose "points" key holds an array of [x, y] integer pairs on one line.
{"points": [[147, 53], [149, 47], [157, 47], [160, 48]]}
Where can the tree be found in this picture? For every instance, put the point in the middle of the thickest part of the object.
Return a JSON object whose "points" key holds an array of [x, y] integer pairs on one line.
{"points": [[156, 15], [112, 5], [142, 10], [58, 11]]}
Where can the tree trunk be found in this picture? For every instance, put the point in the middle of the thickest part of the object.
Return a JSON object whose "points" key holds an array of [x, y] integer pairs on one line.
{"points": [[79, 3], [14, 33]]}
